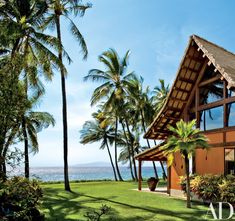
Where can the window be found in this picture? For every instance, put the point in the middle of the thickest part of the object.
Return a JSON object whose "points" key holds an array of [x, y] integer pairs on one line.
{"points": [[211, 119], [231, 92], [231, 114], [211, 92], [229, 161], [209, 73]]}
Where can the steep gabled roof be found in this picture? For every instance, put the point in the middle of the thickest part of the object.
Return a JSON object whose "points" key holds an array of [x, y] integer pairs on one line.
{"points": [[198, 55], [223, 60]]}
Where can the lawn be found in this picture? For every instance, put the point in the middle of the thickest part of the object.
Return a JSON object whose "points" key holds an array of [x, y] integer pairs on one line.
{"points": [[126, 204]]}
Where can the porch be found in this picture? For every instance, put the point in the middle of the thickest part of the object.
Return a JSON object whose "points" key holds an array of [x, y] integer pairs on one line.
{"points": [[154, 154]]}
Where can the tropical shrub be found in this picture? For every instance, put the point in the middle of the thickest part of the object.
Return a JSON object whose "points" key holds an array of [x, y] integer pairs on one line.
{"points": [[211, 188], [206, 187], [227, 189], [19, 200]]}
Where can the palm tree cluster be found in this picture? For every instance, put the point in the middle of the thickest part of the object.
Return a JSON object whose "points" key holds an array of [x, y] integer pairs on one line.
{"points": [[124, 110], [28, 53]]}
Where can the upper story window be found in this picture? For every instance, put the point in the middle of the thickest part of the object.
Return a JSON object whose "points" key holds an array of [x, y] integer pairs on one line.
{"points": [[231, 114], [211, 92], [231, 92], [211, 118]]}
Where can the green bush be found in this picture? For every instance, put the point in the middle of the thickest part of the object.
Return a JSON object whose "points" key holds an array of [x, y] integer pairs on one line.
{"points": [[211, 188], [227, 189], [19, 200], [206, 187]]}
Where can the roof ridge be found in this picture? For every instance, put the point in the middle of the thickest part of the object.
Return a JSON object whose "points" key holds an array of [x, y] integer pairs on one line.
{"points": [[200, 38]]}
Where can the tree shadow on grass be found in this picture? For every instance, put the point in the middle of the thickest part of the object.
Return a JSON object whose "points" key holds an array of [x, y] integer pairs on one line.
{"points": [[60, 204], [191, 214]]}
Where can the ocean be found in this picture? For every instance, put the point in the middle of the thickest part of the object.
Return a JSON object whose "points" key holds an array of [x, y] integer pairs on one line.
{"points": [[83, 173]]}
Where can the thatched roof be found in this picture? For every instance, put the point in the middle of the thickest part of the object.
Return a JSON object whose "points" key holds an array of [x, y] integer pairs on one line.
{"points": [[199, 54]]}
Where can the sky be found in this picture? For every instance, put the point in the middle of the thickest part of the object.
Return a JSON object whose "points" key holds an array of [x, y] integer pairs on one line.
{"points": [[155, 31]]}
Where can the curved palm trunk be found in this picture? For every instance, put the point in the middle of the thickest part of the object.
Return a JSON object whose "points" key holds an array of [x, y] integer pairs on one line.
{"points": [[115, 147], [132, 150], [129, 151], [26, 149], [163, 169], [111, 161], [187, 181], [64, 110], [143, 125]]}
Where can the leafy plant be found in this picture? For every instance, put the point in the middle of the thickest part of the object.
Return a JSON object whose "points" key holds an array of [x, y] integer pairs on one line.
{"points": [[19, 200], [227, 189], [95, 216]]}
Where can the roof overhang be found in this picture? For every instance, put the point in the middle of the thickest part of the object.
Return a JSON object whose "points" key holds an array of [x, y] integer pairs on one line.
{"points": [[198, 54], [153, 154]]}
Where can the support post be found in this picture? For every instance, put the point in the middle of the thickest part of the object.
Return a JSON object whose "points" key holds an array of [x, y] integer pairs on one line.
{"points": [[139, 176]]}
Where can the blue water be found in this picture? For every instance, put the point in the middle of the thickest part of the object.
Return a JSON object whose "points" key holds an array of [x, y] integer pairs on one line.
{"points": [[83, 173]]}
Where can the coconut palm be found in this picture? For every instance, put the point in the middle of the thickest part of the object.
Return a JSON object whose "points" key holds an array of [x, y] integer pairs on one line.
{"points": [[185, 139], [143, 111], [159, 95], [94, 131], [113, 89], [58, 9], [21, 21], [31, 124]]}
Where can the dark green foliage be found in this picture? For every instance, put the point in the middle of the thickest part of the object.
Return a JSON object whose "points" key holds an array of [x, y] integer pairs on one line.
{"points": [[96, 215], [212, 188], [19, 200]]}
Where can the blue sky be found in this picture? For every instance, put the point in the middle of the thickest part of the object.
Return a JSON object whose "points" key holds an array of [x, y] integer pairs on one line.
{"points": [[156, 32]]}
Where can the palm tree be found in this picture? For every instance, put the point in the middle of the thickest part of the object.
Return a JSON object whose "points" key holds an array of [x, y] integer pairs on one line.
{"points": [[94, 131], [58, 9], [185, 139], [31, 123], [113, 88], [158, 99], [159, 95], [143, 110], [21, 21]]}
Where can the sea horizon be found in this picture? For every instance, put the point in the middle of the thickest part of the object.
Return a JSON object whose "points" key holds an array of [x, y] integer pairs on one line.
{"points": [[56, 173]]}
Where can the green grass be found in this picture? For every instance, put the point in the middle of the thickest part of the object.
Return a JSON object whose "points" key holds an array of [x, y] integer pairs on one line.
{"points": [[126, 204]]}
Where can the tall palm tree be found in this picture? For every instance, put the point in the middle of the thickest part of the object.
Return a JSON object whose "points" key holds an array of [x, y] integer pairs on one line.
{"points": [[158, 99], [94, 131], [143, 111], [159, 95], [32, 123], [115, 81], [22, 21], [58, 9], [185, 139]]}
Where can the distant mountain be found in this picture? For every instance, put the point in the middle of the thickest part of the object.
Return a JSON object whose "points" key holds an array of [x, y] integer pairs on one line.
{"points": [[93, 164]]}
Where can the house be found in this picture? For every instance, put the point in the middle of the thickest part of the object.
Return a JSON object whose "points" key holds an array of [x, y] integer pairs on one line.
{"points": [[204, 89]]}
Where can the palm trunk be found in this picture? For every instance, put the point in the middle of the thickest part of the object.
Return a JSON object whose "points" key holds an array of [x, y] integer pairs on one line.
{"points": [[64, 109], [115, 148], [129, 151], [187, 181], [26, 149], [132, 149], [143, 125], [164, 176], [111, 161], [2, 158]]}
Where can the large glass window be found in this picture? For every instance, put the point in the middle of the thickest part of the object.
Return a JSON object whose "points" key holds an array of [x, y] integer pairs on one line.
{"points": [[211, 92], [231, 92], [231, 114], [229, 155], [211, 119]]}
